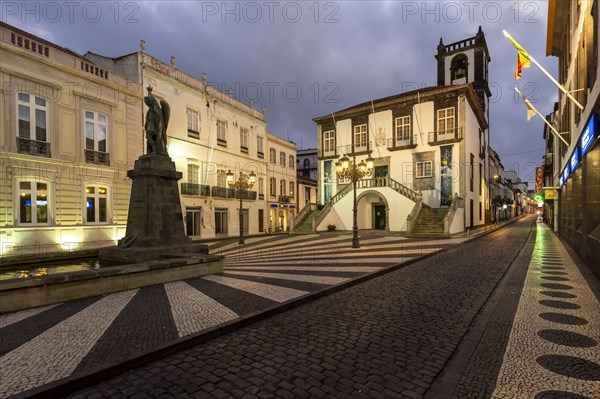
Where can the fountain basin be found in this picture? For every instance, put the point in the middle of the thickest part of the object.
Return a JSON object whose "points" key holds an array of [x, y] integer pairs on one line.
{"points": [[19, 294]]}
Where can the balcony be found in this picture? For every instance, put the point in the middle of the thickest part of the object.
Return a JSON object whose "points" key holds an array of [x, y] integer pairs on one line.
{"points": [[97, 157], [482, 152], [223, 192], [395, 144], [195, 190], [324, 153], [445, 136], [284, 198], [33, 147]]}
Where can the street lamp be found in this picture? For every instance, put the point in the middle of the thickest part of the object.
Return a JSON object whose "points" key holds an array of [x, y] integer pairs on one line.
{"points": [[244, 182], [354, 172]]}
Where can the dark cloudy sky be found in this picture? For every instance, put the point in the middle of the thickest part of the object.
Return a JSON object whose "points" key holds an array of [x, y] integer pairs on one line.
{"points": [[305, 59]]}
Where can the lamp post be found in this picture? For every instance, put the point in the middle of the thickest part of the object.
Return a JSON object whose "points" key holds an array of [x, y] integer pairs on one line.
{"points": [[244, 182], [354, 172]]}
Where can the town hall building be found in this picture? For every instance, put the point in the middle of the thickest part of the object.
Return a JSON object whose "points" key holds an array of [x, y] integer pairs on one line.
{"points": [[429, 148]]}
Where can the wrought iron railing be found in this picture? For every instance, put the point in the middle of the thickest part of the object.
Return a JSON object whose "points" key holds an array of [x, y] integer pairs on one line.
{"points": [[198, 190], [97, 157], [33, 147], [445, 135]]}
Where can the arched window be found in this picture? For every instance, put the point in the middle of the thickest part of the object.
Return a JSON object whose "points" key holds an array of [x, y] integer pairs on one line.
{"points": [[306, 163], [459, 67]]}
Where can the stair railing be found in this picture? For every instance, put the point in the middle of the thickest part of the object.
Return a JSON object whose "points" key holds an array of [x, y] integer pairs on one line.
{"points": [[304, 212], [402, 189], [412, 217], [456, 203]]}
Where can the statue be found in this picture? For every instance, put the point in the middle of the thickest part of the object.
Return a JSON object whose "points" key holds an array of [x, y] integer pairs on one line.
{"points": [[157, 120]]}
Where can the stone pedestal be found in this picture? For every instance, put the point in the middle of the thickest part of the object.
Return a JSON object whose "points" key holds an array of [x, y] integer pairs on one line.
{"points": [[155, 215], [155, 220]]}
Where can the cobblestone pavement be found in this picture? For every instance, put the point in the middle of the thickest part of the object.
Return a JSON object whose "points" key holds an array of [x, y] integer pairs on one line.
{"points": [[553, 349], [388, 337], [39, 346]]}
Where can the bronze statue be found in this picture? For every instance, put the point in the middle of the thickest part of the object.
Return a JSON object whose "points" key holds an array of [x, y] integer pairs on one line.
{"points": [[157, 120]]}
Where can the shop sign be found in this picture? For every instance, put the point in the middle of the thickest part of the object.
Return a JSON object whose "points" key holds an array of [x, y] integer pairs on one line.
{"points": [[566, 173], [550, 194], [561, 181], [539, 179], [574, 159], [589, 134]]}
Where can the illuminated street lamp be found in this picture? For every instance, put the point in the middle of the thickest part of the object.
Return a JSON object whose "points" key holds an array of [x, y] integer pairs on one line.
{"points": [[244, 182], [354, 172]]}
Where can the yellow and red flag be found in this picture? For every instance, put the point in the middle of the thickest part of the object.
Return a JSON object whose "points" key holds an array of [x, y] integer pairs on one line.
{"points": [[522, 58]]}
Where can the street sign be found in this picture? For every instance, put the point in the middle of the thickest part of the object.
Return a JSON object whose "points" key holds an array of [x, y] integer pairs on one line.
{"points": [[539, 178], [550, 194], [538, 197]]}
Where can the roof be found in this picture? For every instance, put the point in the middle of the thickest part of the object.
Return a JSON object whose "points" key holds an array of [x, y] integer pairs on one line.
{"points": [[41, 40], [467, 88]]}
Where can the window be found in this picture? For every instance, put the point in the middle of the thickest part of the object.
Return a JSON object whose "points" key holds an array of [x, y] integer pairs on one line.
{"points": [[245, 220], [471, 173], [360, 138], [282, 158], [480, 179], [244, 140], [403, 130], [96, 148], [221, 178], [273, 187], [259, 147], [193, 171], [424, 169], [291, 162], [96, 198], [459, 67], [221, 132], [445, 120], [306, 163], [32, 133], [193, 123], [272, 155], [282, 188], [32, 117], [329, 142], [292, 184], [220, 221], [193, 221], [33, 203], [261, 187]]}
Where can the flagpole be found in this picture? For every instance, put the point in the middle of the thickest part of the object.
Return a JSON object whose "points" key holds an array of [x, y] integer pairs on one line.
{"points": [[556, 83], [544, 119], [541, 68]]}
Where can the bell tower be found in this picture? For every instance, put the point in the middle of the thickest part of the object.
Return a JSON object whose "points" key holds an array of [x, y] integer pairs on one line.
{"points": [[465, 61]]}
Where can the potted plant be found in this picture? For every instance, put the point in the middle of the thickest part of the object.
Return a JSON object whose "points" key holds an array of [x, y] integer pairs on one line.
{"points": [[331, 227]]}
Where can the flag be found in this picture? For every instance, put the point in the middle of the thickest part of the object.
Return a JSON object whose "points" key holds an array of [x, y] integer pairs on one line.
{"points": [[531, 110], [522, 58]]}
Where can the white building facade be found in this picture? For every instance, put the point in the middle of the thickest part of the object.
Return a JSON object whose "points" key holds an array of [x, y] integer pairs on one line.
{"points": [[281, 183], [429, 147], [209, 134], [69, 131]]}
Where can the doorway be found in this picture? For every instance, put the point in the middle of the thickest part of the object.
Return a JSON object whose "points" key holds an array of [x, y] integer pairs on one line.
{"points": [[379, 217], [381, 173]]}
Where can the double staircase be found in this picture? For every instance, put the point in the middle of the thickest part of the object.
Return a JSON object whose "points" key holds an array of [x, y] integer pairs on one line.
{"points": [[429, 222]]}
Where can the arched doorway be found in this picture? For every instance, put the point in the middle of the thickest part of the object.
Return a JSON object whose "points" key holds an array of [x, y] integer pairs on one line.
{"points": [[373, 211]]}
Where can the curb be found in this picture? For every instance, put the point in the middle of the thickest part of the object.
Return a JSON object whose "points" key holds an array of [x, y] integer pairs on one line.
{"points": [[73, 383]]}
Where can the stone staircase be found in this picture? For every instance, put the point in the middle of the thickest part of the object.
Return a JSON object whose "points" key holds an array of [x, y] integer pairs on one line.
{"points": [[430, 222], [306, 226]]}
